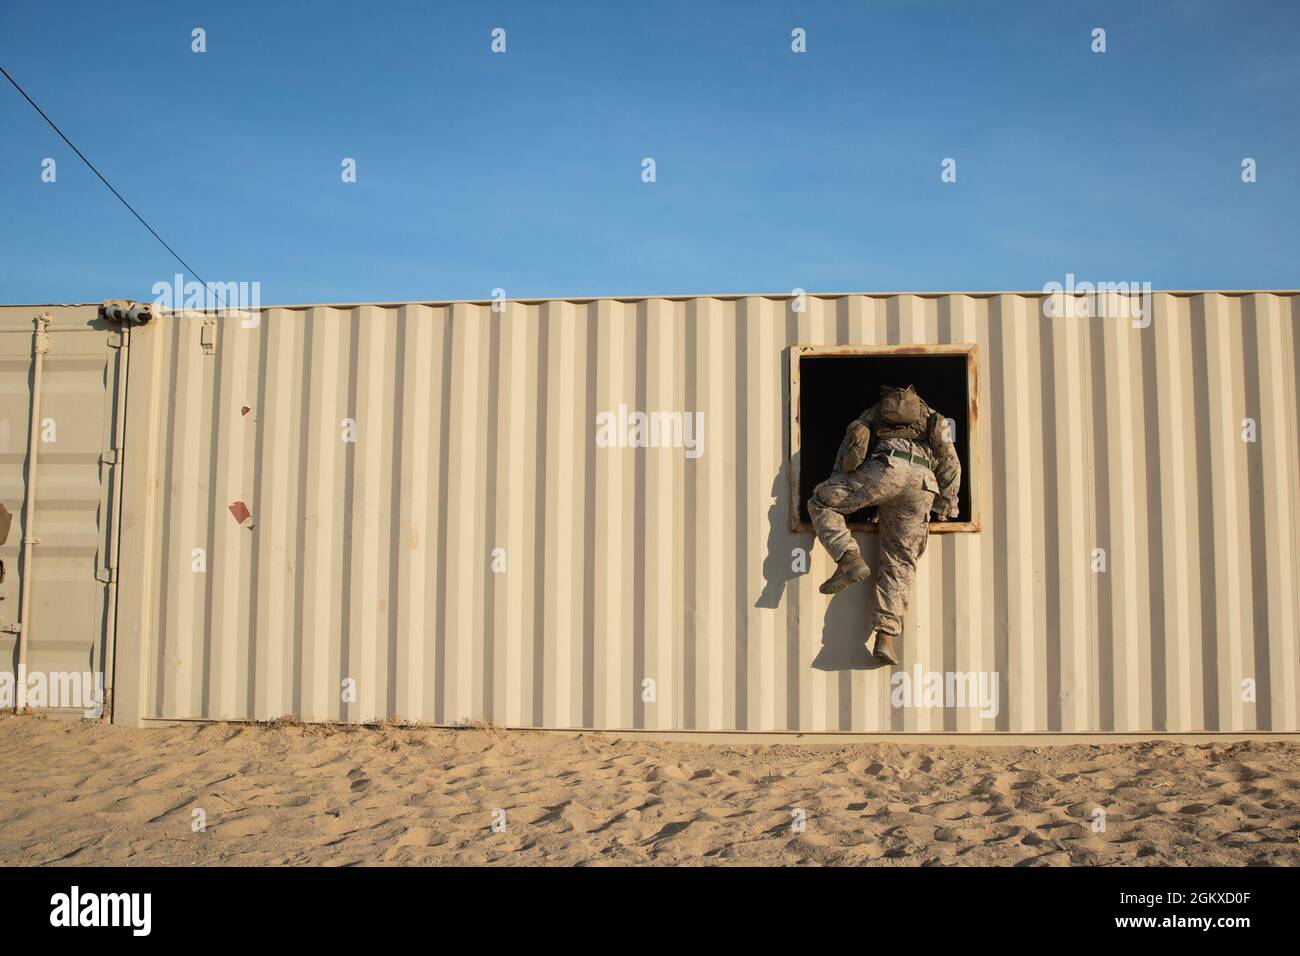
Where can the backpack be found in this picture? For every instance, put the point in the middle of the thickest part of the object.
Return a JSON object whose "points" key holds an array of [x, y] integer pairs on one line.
{"points": [[902, 413]]}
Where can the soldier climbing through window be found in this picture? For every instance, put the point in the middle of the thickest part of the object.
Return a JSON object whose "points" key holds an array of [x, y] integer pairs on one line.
{"points": [[897, 455]]}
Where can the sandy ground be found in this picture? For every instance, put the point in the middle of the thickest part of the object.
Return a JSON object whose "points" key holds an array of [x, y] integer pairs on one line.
{"points": [[88, 793]]}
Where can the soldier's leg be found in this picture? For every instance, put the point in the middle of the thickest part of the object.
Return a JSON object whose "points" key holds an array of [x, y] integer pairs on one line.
{"points": [[837, 497], [903, 534], [834, 499], [830, 502]]}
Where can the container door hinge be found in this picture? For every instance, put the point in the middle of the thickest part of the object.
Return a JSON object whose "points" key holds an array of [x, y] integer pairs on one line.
{"points": [[109, 457], [106, 575], [11, 628], [208, 336]]}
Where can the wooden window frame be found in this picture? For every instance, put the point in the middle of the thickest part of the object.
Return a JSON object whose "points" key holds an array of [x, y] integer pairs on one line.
{"points": [[973, 472]]}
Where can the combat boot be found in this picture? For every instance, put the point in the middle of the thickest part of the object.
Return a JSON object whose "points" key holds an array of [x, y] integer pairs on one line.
{"points": [[851, 570], [883, 650]]}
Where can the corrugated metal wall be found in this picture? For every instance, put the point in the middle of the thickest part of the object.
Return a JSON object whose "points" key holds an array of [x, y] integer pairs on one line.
{"points": [[474, 430], [71, 555]]}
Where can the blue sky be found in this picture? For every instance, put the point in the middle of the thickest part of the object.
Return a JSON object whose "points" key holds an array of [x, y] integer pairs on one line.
{"points": [[775, 170]]}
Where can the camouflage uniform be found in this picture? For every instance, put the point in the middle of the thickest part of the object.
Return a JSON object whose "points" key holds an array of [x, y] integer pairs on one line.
{"points": [[905, 492]]}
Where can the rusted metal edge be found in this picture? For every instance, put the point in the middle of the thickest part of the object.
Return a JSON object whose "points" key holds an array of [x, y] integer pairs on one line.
{"points": [[688, 296], [969, 349]]}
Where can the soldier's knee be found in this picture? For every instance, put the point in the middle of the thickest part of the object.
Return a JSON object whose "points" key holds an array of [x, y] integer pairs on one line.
{"points": [[827, 496]]}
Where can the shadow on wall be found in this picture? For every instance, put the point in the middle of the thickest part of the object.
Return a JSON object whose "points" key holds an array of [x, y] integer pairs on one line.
{"points": [[8, 641], [778, 566], [848, 614], [847, 624]]}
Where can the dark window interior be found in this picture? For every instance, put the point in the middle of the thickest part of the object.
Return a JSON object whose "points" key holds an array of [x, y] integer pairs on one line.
{"points": [[836, 389]]}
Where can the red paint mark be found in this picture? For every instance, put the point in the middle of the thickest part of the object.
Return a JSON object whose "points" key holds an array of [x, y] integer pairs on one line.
{"points": [[245, 410], [240, 511]]}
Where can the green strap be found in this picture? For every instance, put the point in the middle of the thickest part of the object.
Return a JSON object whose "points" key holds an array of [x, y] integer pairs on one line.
{"points": [[914, 459]]}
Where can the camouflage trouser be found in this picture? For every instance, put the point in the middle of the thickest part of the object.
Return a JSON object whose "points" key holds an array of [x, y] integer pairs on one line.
{"points": [[904, 493]]}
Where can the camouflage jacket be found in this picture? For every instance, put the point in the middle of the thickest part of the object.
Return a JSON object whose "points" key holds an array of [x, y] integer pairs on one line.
{"points": [[936, 443]]}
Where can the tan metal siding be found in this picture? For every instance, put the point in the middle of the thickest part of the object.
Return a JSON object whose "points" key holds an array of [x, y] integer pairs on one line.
{"points": [[475, 431], [72, 557]]}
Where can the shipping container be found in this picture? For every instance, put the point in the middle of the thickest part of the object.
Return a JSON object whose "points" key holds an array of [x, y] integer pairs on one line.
{"points": [[445, 512], [62, 376]]}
